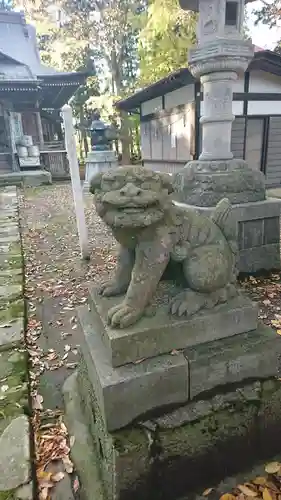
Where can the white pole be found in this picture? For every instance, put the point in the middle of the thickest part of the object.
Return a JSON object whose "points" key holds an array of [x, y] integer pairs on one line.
{"points": [[75, 180]]}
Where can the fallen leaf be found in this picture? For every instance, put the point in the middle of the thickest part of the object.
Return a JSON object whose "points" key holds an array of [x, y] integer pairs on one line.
{"points": [[246, 490], [227, 496], [273, 467], [207, 492], [76, 486], [68, 465], [260, 481], [43, 494], [266, 494], [58, 477]]}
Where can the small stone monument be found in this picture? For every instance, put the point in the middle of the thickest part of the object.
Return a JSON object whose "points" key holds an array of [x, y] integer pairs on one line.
{"points": [[221, 55], [101, 157], [176, 376]]}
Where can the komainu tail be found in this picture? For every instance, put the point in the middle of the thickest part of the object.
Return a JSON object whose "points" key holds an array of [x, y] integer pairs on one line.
{"points": [[221, 213], [222, 217]]}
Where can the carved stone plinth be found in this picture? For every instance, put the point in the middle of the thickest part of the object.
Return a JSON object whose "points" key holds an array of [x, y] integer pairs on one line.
{"points": [[204, 183]]}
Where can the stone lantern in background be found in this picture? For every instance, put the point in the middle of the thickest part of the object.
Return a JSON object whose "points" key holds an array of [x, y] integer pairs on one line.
{"points": [[101, 157], [221, 55]]}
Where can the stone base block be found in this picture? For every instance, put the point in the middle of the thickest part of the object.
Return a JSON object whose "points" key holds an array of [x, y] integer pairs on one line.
{"points": [[258, 233], [163, 333], [232, 360], [226, 432], [28, 178], [98, 161], [122, 394]]}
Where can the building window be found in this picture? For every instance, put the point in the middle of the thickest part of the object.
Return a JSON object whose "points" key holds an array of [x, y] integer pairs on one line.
{"points": [[231, 13]]}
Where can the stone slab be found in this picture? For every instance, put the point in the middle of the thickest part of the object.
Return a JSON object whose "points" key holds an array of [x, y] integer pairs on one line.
{"points": [[82, 452], [163, 333], [11, 333], [27, 178], [271, 207], [252, 355], [14, 454], [126, 392]]}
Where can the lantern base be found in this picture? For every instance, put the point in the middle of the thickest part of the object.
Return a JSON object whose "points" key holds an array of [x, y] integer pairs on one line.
{"points": [[98, 161]]}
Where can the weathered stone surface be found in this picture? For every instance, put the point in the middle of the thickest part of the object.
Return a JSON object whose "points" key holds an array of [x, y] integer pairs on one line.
{"points": [[83, 452], [10, 293], [255, 259], [153, 232], [120, 461], [98, 161], [27, 178], [163, 333], [25, 492], [258, 233], [15, 454], [126, 392], [252, 355], [204, 183], [220, 435], [196, 410]]}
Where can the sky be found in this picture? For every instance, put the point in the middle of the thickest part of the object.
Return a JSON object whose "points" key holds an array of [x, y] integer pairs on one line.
{"points": [[262, 35]]}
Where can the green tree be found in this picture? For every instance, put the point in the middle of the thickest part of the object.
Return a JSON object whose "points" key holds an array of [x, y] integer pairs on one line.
{"points": [[270, 14], [112, 29], [164, 41]]}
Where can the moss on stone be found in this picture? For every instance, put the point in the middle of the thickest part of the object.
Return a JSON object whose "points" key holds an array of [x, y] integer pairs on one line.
{"points": [[130, 439], [13, 311], [13, 377], [11, 277], [7, 495]]}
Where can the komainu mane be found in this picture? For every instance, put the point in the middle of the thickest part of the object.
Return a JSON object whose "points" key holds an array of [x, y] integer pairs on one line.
{"points": [[151, 230]]}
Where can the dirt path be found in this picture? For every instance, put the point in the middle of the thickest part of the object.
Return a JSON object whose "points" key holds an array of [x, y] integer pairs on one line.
{"points": [[56, 282]]}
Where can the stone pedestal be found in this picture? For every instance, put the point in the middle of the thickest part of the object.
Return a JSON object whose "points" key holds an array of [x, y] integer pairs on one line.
{"points": [[98, 161], [258, 233], [169, 395]]}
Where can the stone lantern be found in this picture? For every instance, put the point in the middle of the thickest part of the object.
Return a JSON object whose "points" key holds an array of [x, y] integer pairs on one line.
{"points": [[221, 55], [102, 157]]}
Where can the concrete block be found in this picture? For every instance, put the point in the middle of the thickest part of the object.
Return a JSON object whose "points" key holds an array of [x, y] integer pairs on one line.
{"points": [[162, 333], [252, 355], [126, 392]]}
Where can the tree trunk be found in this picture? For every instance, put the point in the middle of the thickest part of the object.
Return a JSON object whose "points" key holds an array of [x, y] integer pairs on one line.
{"points": [[125, 138], [125, 135]]}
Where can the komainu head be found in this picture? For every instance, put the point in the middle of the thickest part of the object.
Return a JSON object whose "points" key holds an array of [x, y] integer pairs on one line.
{"points": [[131, 196]]}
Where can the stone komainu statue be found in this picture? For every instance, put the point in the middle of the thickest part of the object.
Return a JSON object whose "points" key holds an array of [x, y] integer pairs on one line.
{"points": [[152, 231]]}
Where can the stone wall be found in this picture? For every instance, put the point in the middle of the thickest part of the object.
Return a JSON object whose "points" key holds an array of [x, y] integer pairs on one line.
{"points": [[15, 468]]}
